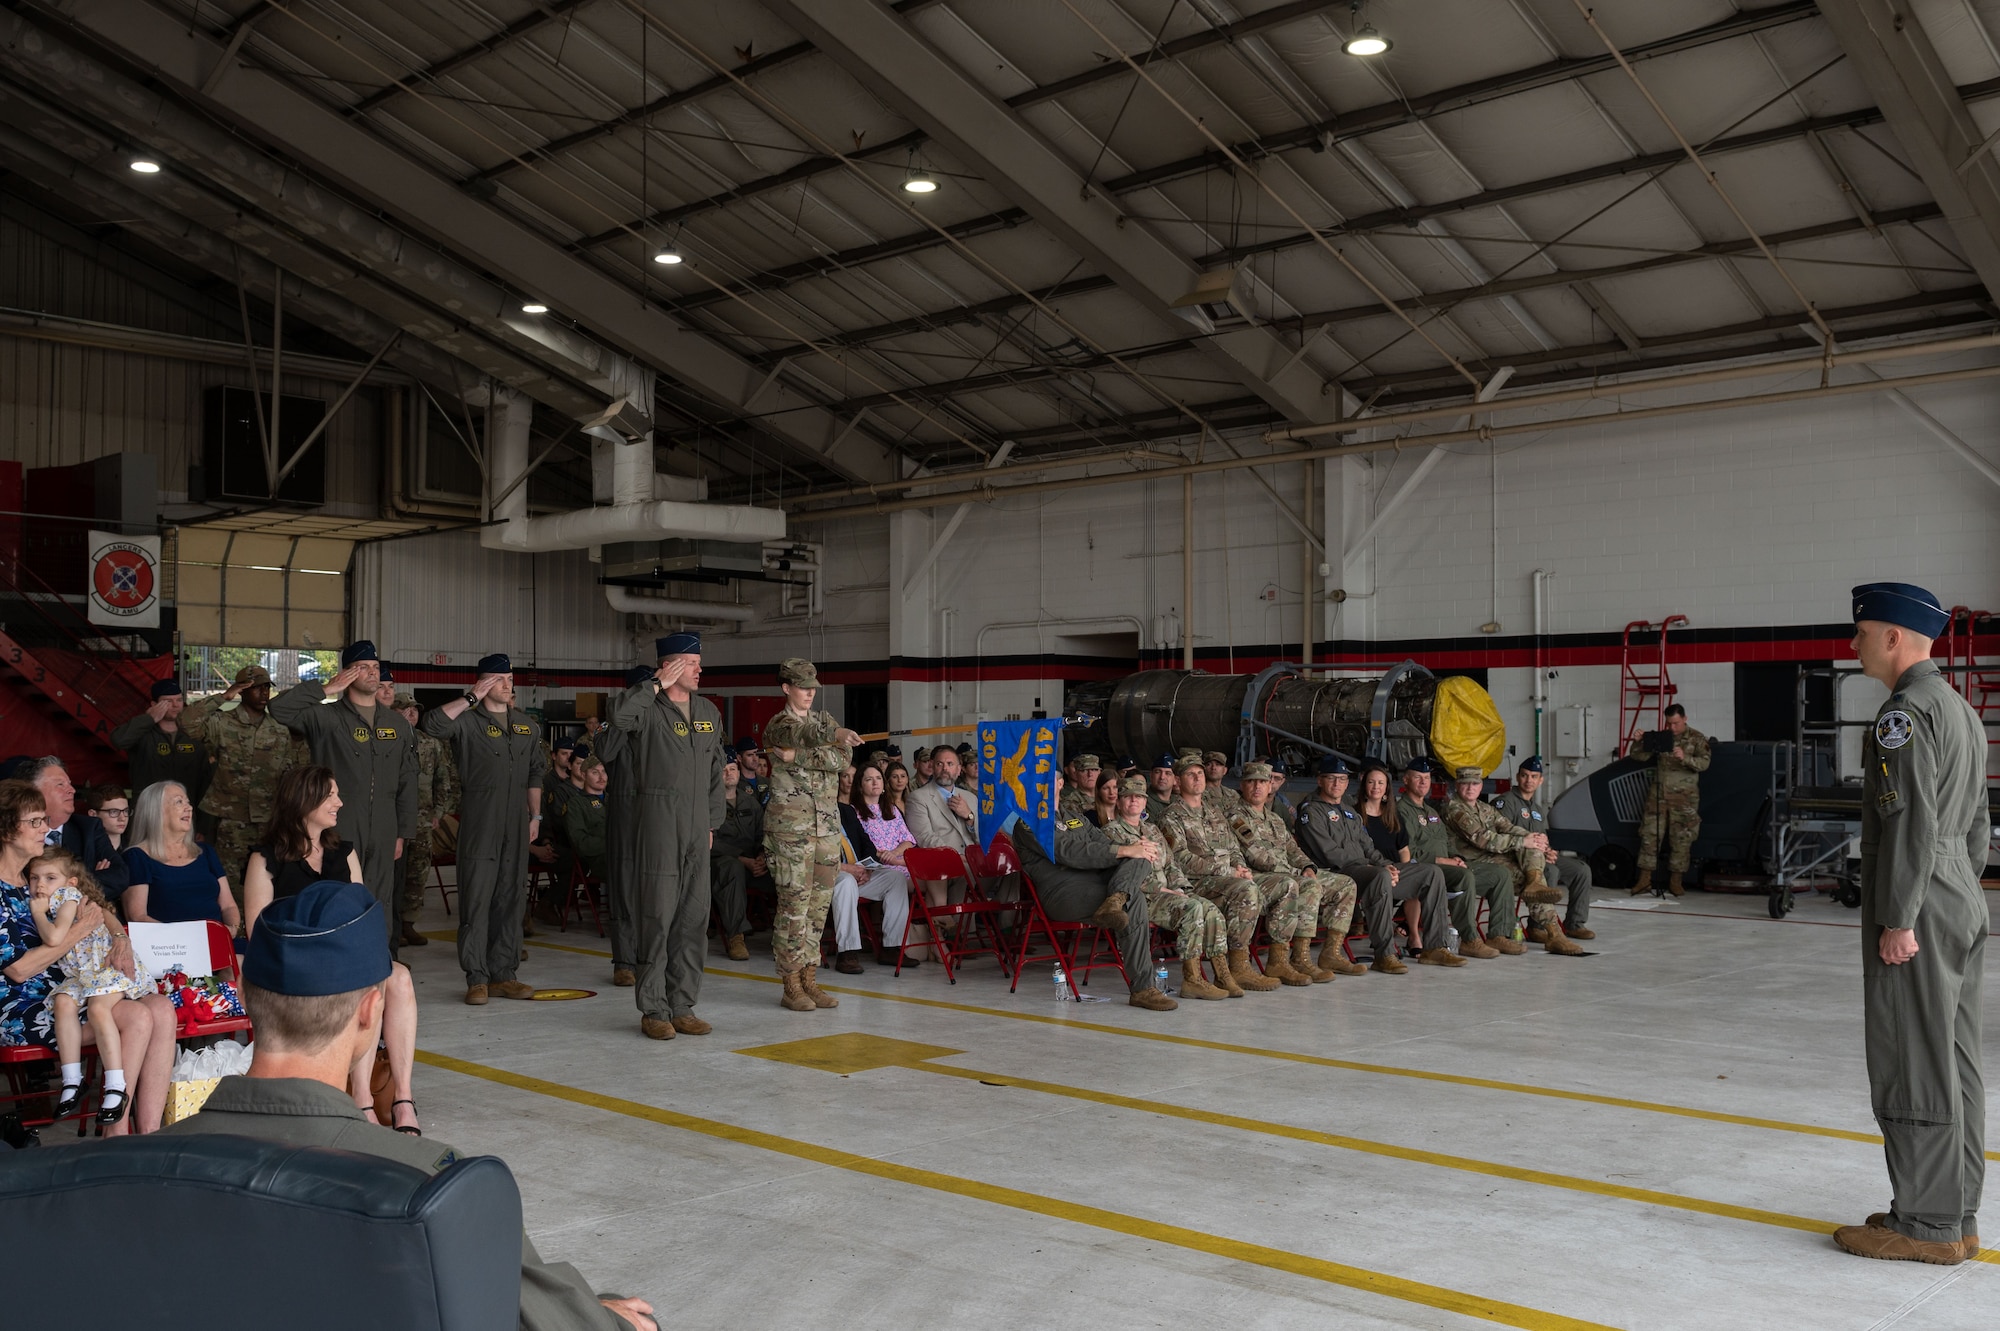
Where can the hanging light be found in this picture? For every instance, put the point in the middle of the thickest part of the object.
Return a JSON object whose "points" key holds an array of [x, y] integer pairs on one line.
{"points": [[1366, 41], [145, 166], [920, 181], [667, 254], [534, 307]]}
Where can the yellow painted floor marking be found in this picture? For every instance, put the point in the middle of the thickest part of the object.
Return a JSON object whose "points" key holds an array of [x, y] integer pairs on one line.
{"points": [[1194, 1240], [1311, 1060], [851, 1051]]}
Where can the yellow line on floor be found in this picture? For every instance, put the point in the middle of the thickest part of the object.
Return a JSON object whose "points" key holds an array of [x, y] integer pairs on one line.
{"points": [[1194, 1240], [1311, 1060]]}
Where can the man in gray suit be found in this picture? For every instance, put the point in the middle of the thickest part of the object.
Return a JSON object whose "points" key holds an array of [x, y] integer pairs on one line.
{"points": [[940, 814]]}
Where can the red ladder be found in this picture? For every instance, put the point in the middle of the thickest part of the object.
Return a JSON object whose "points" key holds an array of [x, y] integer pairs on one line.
{"points": [[1978, 680], [1644, 684]]}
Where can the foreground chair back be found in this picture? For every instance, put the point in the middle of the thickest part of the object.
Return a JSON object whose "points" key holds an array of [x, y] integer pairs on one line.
{"points": [[261, 1234], [959, 929]]}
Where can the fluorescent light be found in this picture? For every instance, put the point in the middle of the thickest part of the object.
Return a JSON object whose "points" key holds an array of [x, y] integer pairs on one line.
{"points": [[534, 307], [920, 182], [1366, 41], [145, 166], [667, 254]]}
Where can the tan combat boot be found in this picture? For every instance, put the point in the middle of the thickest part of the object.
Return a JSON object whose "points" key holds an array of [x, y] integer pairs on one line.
{"points": [[1245, 975], [809, 981], [1505, 946], [1389, 964], [1110, 913], [623, 977], [1537, 892], [656, 1028], [1333, 957], [511, 989], [689, 1024], [1969, 1244], [796, 998], [1645, 883], [1152, 1000], [1223, 979], [475, 995], [1554, 940], [1472, 946], [1678, 883], [1302, 961], [1439, 956], [1277, 966], [1194, 985], [734, 945]]}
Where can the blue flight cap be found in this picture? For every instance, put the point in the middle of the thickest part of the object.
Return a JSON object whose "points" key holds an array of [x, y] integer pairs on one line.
{"points": [[1419, 765], [329, 939], [582, 749], [1531, 763], [358, 651], [729, 753], [566, 743], [1164, 760], [638, 675], [496, 664], [1334, 765], [674, 644], [1126, 762], [166, 688], [386, 675], [1903, 604], [745, 744], [893, 751]]}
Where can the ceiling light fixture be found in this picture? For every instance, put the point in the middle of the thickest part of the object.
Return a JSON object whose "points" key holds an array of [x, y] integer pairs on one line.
{"points": [[534, 307], [145, 166], [920, 181], [1366, 41], [667, 254]]}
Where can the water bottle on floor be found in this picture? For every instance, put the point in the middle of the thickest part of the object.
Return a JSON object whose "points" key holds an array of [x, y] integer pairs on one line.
{"points": [[1160, 979], [1451, 937], [1063, 995]]}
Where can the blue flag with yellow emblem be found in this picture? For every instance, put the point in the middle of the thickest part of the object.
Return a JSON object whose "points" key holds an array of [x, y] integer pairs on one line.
{"points": [[1017, 777]]}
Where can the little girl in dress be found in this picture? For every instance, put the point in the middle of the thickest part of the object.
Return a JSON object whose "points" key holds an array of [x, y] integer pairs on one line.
{"points": [[59, 884]]}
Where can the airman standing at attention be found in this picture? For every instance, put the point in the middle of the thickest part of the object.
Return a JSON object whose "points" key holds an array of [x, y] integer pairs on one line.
{"points": [[159, 748], [1212, 859], [809, 750], [1565, 870], [500, 767], [250, 748], [1924, 921], [1079, 795], [437, 796], [371, 752], [1325, 898], [1198, 927], [1481, 834], [1673, 803], [613, 750]]}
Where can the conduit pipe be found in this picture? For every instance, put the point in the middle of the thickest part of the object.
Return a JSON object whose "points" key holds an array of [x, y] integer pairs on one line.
{"points": [[628, 602], [990, 492]]}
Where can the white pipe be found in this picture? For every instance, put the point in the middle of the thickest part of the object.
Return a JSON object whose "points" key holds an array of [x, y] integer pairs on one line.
{"points": [[650, 521], [628, 602], [511, 415]]}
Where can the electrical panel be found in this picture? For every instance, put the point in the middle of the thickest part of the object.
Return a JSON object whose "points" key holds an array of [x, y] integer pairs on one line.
{"points": [[1573, 731]]}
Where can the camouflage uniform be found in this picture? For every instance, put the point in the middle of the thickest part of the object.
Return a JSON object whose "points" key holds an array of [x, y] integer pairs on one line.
{"points": [[1325, 898], [802, 831], [1076, 802], [1431, 841], [1481, 834], [1673, 802], [1207, 852], [1570, 872], [437, 795], [250, 750], [1171, 901]]}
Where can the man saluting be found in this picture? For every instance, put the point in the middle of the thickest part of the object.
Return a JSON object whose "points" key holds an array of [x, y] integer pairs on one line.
{"points": [[1924, 829]]}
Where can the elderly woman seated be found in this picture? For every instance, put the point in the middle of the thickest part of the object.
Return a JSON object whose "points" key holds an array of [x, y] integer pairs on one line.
{"points": [[876, 838], [30, 971]]}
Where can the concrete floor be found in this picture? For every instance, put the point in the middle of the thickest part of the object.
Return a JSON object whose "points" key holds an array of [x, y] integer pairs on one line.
{"points": [[1660, 1135]]}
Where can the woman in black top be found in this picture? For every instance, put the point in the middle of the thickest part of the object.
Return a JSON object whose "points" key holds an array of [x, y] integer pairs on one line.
{"points": [[301, 848], [1378, 817]]}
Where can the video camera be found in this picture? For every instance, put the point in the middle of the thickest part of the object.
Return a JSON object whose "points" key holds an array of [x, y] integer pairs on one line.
{"points": [[1656, 741]]}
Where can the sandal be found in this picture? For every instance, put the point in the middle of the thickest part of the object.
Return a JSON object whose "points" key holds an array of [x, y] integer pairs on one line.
{"points": [[72, 1097], [109, 1110], [409, 1128]]}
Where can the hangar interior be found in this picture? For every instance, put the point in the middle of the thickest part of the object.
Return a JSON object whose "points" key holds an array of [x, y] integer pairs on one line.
{"points": [[988, 353]]}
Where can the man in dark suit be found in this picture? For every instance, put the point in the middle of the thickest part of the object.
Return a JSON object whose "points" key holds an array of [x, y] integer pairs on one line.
{"points": [[78, 833]]}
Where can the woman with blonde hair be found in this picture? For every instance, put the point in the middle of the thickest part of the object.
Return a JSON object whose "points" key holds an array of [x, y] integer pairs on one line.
{"points": [[174, 877]]}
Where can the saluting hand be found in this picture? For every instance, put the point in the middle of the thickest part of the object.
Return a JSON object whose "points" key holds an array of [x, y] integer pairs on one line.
{"points": [[158, 711], [484, 685], [340, 683], [670, 672]]}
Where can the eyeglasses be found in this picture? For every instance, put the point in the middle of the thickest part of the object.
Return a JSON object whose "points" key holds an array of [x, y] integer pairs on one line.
{"points": [[114, 813], [38, 820]]}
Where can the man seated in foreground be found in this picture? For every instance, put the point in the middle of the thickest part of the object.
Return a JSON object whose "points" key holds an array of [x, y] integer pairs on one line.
{"points": [[312, 981]]}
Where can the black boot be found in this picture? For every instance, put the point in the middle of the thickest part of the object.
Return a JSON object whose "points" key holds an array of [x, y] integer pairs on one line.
{"points": [[848, 963]]}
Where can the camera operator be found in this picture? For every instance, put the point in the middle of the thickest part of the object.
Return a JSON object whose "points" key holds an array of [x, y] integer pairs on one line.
{"points": [[1679, 755]]}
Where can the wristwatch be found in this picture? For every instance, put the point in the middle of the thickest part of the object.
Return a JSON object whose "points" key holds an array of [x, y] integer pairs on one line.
{"points": [[470, 696]]}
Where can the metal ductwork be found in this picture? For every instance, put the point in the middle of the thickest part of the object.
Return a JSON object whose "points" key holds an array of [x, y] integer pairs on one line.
{"points": [[628, 602], [1401, 713]]}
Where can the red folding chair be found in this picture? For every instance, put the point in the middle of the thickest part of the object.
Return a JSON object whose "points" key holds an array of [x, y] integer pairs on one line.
{"points": [[583, 891], [958, 929], [17, 1063], [221, 963], [1002, 858], [439, 863]]}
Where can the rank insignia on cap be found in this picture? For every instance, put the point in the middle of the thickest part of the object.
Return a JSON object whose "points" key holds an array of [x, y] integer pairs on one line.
{"points": [[361, 734], [1893, 729], [523, 728], [705, 727], [385, 732]]}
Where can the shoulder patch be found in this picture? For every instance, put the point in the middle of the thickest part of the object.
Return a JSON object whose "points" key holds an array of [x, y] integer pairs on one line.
{"points": [[1072, 823], [446, 1161], [1893, 729]]}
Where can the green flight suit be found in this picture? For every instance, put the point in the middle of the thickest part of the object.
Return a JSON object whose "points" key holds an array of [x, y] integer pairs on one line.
{"points": [[1465, 886], [373, 757], [741, 833], [1924, 831], [1085, 869], [611, 748], [153, 755], [1570, 872], [302, 1112], [500, 759], [676, 763]]}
